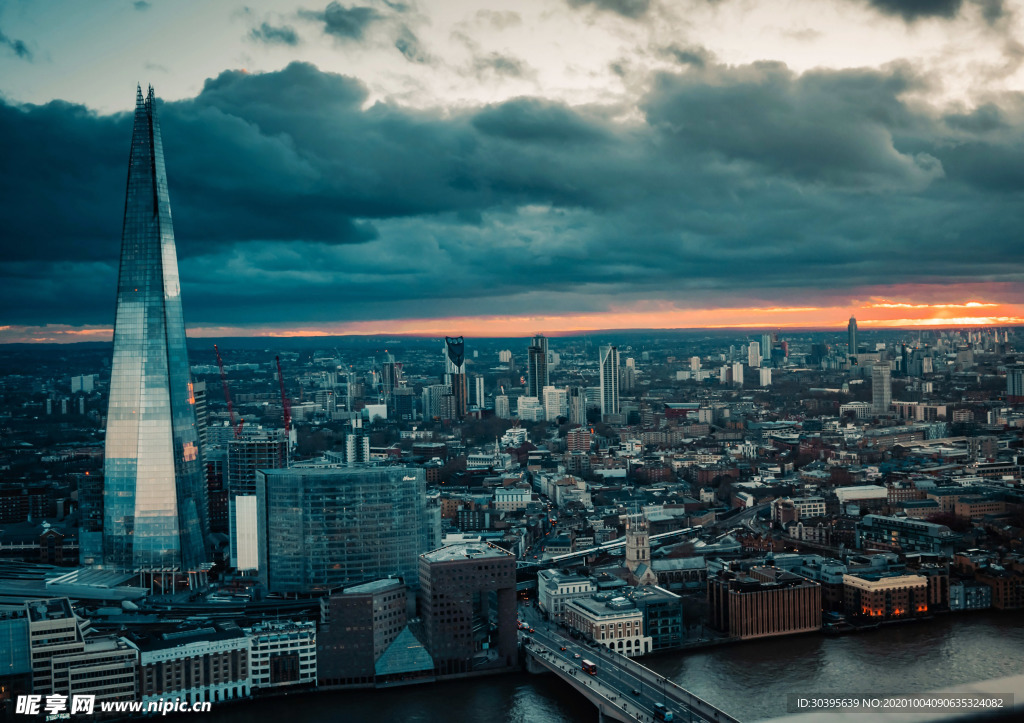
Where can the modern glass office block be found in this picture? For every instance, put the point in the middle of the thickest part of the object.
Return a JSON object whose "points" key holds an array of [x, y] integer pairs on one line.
{"points": [[322, 528], [154, 488]]}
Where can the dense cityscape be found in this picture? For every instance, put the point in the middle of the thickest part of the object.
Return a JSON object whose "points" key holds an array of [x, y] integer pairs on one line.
{"points": [[535, 362]]}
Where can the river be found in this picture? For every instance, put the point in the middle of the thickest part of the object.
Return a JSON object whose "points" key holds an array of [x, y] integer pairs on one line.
{"points": [[748, 680]]}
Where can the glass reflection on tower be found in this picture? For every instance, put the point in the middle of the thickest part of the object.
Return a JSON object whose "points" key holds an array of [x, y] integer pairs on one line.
{"points": [[154, 494]]}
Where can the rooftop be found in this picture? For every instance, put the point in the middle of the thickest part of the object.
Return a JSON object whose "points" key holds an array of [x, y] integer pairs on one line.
{"points": [[466, 551], [375, 586]]}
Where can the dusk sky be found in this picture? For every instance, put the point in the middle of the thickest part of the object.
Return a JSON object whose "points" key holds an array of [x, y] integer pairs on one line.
{"points": [[502, 168]]}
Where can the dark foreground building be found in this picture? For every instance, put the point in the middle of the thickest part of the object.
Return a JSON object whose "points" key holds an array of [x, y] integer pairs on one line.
{"points": [[468, 605]]}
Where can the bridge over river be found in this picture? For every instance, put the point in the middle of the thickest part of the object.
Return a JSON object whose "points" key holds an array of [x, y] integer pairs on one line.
{"points": [[621, 688]]}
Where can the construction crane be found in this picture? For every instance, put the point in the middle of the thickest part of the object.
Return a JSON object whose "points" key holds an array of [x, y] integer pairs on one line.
{"points": [[286, 406], [227, 396]]}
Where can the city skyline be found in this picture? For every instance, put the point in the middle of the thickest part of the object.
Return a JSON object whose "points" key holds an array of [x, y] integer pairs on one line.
{"points": [[446, 168]]}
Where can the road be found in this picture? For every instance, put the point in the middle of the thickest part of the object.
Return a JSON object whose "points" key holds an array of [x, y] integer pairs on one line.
{"points": [[634, 692]]}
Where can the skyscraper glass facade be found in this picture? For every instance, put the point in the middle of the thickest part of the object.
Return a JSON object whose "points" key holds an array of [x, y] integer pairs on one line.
{"points": [[154, 488], [322, 528]]}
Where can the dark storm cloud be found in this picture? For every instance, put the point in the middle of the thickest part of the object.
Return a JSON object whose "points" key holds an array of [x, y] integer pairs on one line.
{"points": [[296, 201], [625, 8], [345, 23], [530, 120], [831, 126], [913, 10], [18, 47], [274, 35]]}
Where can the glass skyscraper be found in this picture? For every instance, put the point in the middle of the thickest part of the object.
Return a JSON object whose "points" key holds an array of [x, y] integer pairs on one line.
{"points": [[321, 528], [154, 495]]}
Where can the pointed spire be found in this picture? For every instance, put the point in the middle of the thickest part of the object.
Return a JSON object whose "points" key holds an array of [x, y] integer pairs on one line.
{"points": [[138, 95]]}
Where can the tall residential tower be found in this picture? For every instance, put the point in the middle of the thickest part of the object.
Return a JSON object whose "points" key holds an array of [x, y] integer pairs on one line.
{"points": [[537, 367], [155, 514]]}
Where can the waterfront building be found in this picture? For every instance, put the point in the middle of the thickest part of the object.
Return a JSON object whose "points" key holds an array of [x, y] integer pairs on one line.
{"points": [[321, 528], [155, 511], [611, 620], [467, 601], [361, 622], [208, 663], [282, 653], [663, 616], [64, 661], [1007, 586], [766, 602], [969, 595], [885, 597]]}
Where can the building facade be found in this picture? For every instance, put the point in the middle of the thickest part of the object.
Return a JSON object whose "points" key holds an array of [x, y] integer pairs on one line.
{"points": [[321, 528], [608, 368], [765, 603], [467, 601], [155, 512]]}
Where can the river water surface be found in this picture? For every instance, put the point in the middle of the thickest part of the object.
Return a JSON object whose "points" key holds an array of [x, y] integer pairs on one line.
{"points": [[748, 680]]}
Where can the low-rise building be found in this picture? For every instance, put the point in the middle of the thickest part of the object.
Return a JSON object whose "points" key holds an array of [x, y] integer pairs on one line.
{"points": [[610, 620], [886, 597], [282, 653], [969, 595], [556, 588], [209, 663], [877, 532]]}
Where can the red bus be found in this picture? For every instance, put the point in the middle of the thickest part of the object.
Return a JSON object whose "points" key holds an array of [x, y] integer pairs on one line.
{"points": [[589, 667]]}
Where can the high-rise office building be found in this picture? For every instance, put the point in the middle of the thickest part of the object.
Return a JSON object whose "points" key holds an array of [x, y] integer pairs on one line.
{"points": [[577, 405], [1015, 384], [155, 512], [478, 391], [608, 363], [627, 375], [202, 416], [556, 403], [390, 376], [468, 606], [455, 374], [851, 331], [255, 450], [881, 388], [737, 373], [766, 347], [754, 355], [325, 527], [501, 407], [537, 367]]}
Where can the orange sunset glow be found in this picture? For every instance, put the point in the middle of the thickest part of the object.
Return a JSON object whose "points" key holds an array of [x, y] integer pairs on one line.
{"points": [[874, 313]]}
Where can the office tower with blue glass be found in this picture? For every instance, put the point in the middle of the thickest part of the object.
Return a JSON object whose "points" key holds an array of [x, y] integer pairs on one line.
{"points": [[154, 496], [321, 528]]}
